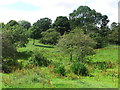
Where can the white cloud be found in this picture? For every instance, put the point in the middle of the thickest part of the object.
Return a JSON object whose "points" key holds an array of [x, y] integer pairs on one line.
{"points": [[54, 8]]}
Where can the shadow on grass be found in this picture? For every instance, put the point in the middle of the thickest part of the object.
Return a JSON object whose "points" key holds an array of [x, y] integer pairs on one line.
{"points": [[44, 46]]}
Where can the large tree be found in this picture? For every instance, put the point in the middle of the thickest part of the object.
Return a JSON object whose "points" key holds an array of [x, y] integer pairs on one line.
{"points": [[19, 36], [9, 52], [8, 48], [92, 22], [35, 33], [24, 24], [43, 24], [61, 24], [11, 23], [13, 36], [77, 43], [84, 16]]}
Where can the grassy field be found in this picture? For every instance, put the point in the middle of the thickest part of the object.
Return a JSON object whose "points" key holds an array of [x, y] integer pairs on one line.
{"points": [[44, 77]]}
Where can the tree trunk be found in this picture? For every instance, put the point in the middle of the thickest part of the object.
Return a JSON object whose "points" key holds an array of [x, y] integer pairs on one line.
{"points": [[70, 57], [33, 41]]}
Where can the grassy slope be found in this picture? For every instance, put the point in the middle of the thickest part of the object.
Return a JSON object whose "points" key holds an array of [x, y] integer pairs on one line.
{"points": [[109, 53], [99, 80]]}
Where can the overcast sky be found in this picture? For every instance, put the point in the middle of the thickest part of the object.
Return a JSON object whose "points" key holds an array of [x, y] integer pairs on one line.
{"points": [[32, 10]]}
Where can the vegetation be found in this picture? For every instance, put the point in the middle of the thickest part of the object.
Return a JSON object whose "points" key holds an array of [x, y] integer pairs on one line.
{"points": [[77, 43], [50, 37], [62, 24], [38, 59], [49, 78], [79, 69], [72, 52]]}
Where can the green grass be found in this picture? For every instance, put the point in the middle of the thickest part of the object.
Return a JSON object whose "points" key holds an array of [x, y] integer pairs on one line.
{"points": [[107, 54], [44, 77], [31, 80]]}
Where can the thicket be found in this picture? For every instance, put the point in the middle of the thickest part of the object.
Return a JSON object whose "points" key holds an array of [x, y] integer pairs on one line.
{"points": [[38, 59], [79, 69]]}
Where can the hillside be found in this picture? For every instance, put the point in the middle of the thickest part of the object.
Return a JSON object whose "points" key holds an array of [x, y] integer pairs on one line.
{"points": [[103, 68]]}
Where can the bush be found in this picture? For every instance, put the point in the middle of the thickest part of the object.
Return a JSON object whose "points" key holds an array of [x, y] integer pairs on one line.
{"points": [[9, 65], [50, 37], [38, 59], [60, 69], [79, 69]]}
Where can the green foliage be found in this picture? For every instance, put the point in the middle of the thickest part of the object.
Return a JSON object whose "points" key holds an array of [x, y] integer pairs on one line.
{"points": [[60, 69], [114, 35], [11, 23], [84, 15], [25, 24], [50, 37], [22, 38], [17, 34], [91, 22], [2, 25], [10, 65], [101, 41], [8, 49], [38, 59], [77, 43], [9, 53], [13, 36], [61, 24], [43, 24], [35, 32], [79, 69]]}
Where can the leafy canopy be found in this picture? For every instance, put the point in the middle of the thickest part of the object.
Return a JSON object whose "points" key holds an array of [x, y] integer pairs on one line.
{"points": [[77, 43]]}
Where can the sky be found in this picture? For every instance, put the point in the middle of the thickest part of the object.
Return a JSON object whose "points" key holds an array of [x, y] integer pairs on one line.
{"points": [[33, 10]]}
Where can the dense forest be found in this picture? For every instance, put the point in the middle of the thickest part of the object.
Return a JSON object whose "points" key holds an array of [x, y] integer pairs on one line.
{"points": [[65, 48]]}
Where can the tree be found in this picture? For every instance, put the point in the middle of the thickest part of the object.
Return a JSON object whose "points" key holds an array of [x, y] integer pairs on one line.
{"points": [[43, 24], [100, 35], [50, 36], [12, 37], [77, 43], [61, 24], [25, 24], [9, 53], [18, 35], [114, 35], [35, 33], [11, 23], [84, 16], [92, 23], [8, 49], [2, 25], [90, 28]]}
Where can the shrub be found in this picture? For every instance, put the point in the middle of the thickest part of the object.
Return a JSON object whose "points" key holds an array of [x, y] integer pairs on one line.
{"points": [[50, 37], [38, 59], [60, 69], [79, 69], [9, 65]]}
